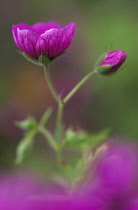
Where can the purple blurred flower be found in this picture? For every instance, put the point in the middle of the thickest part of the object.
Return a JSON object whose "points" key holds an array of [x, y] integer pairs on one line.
{"points": [[15, 191], [112, 186], [115, 179], [112, 62], [43, 38], [25, 193]]}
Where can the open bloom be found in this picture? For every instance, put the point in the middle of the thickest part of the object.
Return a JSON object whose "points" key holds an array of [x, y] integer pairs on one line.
{"points": [[47, 39], [112, 62]]}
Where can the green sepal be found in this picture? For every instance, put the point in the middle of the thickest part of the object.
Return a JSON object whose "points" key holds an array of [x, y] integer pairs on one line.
{"points": [[104, 69], [29, 58], [69, 52], [44, 60], [100, 59]]}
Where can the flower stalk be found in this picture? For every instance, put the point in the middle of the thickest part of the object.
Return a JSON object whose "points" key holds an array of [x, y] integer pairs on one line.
{"points": [[56, 141], [58, 131], [77, 87], [59, 126], [50, 84], [48, 136]]}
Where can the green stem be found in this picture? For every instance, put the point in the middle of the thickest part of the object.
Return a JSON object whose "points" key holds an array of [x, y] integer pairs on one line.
{"points": [[50, 85], [58, 131], [59, 127], [48, 136], [74, 90], [55, 143], [59, 159]]}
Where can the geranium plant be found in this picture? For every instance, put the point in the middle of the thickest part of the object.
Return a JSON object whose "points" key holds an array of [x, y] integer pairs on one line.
{"points": [[41, 43], [87, 184]]}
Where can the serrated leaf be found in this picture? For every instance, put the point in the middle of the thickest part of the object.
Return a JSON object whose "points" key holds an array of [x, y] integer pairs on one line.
{"points": [[95, 139], [81, 138], [73, 138]]}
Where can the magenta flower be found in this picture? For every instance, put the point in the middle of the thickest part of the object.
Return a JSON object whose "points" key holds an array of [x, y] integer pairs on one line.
{"points": [[25, 193], [47, 39], [112, 186], [112, 62], [115, 179], [15, 191]]}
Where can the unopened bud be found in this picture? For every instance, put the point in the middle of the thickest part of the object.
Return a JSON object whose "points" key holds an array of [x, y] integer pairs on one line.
{"points": [[112, 62]]}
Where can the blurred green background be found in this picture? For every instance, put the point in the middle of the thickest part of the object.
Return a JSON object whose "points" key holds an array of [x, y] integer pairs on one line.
{"points": [[104, 102]]}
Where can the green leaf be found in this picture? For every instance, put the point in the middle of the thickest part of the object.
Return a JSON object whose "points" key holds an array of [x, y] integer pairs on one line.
{"points": [[45, 116], [81, 138], [27, 124], [96, 139], [69, 171], [23, 150], [74, 172], [72, 138], [24, 147]]}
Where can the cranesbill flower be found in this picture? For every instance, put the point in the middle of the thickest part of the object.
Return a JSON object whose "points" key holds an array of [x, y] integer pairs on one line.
{"points": [[15, 191], [112, 186], [47, 39], [25, 193], [112, 62]]}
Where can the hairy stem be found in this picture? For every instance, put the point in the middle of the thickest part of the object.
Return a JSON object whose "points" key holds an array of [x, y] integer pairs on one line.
{"points": [[77, 87], [50, 85], [59, 124], [48, 136]]}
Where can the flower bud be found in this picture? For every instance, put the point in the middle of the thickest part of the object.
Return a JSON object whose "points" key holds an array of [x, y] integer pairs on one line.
{"points": [[112, 62]]}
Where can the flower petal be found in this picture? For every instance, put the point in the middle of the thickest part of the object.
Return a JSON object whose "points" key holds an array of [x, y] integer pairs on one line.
{"points": [[40, 28], [14, 31], [68, 33], [55, 41], [21, 26], [26, 40], [118, 167], [70, 29], [115, 59]]}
